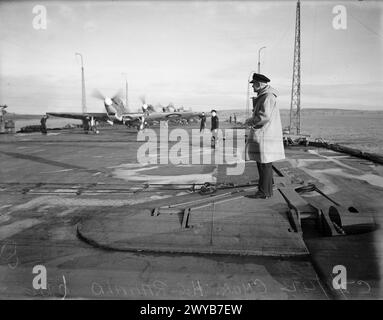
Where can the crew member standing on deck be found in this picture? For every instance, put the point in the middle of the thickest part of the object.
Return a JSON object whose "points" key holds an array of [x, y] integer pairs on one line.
{"points": [[85, 123], [265, 141], [43, 123], [2, 118], [203, 122], [214, 128]]}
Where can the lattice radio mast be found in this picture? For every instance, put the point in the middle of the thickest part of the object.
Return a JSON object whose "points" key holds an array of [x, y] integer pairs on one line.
{"points": [[295, 108]]}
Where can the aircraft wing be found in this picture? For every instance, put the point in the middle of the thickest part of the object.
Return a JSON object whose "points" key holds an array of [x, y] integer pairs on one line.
{"points": [[173, 115], [131, 117], [99, 116], [158, 116]]}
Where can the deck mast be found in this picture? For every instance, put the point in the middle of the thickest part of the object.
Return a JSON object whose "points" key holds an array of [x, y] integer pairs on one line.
{"points": [[295, 107]]}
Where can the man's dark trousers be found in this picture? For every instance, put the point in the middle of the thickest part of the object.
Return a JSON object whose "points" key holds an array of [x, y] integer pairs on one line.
{"points": [[265, 184]]}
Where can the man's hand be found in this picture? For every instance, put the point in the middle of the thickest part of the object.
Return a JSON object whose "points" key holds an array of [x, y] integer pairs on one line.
{"points": [[249, 122]]}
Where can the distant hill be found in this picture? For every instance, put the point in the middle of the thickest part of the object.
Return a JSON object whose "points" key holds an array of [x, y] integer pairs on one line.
{"points": [[335, 110], [306, 111], [15, 116]]}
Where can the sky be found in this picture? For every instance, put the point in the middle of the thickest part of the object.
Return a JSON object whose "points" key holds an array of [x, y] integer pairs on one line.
{"points": [[196, 54]]}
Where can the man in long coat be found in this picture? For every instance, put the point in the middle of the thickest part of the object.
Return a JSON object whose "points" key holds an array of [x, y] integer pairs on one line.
{"points": [[265, 141]]}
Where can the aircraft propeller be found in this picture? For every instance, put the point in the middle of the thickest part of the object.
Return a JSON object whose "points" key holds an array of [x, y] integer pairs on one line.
{"points": [[99, 95], [144, 105]]}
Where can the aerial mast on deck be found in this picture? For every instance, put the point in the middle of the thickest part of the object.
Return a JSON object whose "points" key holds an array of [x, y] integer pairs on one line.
{"points": [[83, 96], [126, 90], [295, 108]]}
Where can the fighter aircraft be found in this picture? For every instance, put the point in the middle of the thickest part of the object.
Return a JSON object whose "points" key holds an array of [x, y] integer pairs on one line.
{"points": [[116, 113]]}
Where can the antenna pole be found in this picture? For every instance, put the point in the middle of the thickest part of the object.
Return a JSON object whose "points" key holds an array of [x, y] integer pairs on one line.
{"points": [[126, 90], [83, 100], [259, 59], [248, 95], [295, 107]]}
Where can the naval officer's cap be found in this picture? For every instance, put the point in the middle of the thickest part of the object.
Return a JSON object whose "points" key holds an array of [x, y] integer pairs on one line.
{"points": [[259, 78]]}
